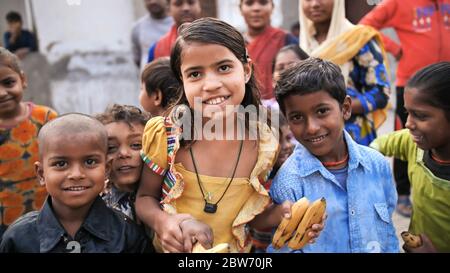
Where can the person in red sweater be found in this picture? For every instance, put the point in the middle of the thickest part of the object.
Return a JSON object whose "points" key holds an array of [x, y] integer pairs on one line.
{"points": [[182, 11], [423, 28]]}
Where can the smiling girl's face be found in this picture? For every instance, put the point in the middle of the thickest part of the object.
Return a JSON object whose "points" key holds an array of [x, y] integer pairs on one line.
{"points": [[214, 77]]}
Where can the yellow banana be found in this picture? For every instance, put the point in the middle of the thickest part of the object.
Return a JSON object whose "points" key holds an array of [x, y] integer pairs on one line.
{"points": [[313, 215], [220, 248], [288, 226], [411, 240]]}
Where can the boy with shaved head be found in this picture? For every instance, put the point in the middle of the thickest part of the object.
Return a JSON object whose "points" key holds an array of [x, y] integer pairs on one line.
{"points": [[72, 165]]}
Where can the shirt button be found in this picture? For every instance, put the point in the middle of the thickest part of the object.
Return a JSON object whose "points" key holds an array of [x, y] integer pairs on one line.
{"points": [[352, 212]]}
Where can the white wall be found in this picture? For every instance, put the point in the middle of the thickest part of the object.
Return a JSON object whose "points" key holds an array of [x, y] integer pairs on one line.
{"points": [[92, 23], [228, 10], [88, 46]]}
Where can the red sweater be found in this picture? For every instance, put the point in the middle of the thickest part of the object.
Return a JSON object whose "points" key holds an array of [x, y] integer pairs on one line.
{"points": [[423, 27]]}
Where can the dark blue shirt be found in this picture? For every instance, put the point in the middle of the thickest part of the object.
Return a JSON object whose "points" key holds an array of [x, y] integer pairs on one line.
{"points": [[103, 231], [25, 40]]}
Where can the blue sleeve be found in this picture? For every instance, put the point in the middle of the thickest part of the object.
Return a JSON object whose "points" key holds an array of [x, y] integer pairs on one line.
{"points": [[291, 39], [284, 187], [6, 37], [370, 80], [151, 53]]}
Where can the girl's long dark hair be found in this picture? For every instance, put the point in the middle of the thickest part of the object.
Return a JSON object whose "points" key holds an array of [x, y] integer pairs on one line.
{"points": [[213, 31]]}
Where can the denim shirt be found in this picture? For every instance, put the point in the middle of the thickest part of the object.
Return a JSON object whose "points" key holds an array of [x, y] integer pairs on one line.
{"points": [[359, 216], [103, 231]]}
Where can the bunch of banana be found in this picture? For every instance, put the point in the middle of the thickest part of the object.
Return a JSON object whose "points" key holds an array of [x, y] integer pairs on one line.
{"points": [[411, 240], [288, 226], [303, 217], [220, 248]]}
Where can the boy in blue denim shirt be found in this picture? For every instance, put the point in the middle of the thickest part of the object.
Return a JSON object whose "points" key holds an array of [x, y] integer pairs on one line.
{"points": [[355, 180]]}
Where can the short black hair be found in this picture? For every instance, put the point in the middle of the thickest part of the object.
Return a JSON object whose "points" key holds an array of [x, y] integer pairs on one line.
{"points": [[13, 16], [298, 51], [309, 76], [123, 113], [158, 75]]}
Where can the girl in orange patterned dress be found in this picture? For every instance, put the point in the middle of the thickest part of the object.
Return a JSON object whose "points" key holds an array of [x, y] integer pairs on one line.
{"points": [[19, 126]]}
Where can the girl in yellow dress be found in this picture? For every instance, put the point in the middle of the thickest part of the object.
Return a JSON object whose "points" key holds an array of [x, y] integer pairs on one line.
{"points": [[204, 183]]}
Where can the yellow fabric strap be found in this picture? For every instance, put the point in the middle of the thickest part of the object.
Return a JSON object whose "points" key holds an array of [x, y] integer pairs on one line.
{"points": [[346, 46]]}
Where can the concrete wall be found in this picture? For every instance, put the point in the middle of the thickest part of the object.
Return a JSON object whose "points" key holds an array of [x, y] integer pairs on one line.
{"points": [[37, 71], [91, 23], [289, 8], [87, 45], [139, 8]]}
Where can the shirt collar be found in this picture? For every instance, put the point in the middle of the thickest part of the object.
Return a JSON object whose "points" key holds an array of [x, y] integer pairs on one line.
{"points": [[97, 220], [51, 231], [310, 163]]}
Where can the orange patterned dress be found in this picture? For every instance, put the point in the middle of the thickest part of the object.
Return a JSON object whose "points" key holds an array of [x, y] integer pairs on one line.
{"points": [[19, 190]]}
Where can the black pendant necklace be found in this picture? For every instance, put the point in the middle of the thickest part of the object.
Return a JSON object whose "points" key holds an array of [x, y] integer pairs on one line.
{"points": [[210, 207]]}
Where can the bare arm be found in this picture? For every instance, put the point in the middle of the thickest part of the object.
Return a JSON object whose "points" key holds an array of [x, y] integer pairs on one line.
{"points": [[382, 16], [149, 211], [271, 216]]}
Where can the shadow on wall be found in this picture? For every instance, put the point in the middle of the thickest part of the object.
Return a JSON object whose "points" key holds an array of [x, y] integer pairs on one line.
{"points": [[37, 71], [85, 82], [88, 82]]}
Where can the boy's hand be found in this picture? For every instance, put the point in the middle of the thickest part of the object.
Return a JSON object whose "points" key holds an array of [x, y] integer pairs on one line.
{"points": [[284, 211], [196, 231], [316, 229], [426, 247], [170, 233]]}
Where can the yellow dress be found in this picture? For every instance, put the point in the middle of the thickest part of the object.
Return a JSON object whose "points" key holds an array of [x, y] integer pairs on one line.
{"points": [[245, 198]]}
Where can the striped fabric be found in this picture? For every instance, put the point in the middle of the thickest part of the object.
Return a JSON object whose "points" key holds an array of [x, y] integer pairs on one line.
{"points": [[169, 178]]}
